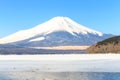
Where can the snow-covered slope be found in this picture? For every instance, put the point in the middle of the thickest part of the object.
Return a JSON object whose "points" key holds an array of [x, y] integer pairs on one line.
{"points": [[58, 30]]}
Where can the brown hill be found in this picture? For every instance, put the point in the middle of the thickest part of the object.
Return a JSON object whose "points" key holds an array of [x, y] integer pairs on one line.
{"points": [[110, 45]]}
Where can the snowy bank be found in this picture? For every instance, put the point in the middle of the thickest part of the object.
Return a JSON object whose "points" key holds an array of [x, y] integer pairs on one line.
{"points": [[62, 57]]}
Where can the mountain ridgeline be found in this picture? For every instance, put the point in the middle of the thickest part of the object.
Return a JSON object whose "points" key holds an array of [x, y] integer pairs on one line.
{"points": [[58, 31], [110, 45]]}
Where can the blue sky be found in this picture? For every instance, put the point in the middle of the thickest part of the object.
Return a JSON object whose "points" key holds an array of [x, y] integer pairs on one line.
{"points": [[100, 15]]}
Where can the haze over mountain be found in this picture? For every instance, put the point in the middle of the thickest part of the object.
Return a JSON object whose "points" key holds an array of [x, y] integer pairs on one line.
{"points": [[59, 31]]}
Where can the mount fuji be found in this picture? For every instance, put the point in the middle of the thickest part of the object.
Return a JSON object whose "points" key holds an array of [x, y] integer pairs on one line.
{"points": [[59, 31]]}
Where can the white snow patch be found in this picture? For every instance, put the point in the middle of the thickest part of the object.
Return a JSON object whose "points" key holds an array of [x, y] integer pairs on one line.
{"points": [[37, 39]]}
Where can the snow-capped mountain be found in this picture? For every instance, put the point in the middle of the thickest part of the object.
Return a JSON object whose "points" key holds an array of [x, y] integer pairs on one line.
{"points": [[59, 31]]}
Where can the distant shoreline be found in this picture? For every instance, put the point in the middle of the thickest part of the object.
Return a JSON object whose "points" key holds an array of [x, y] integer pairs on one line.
{"points": [[64, 47], [44, 50]]}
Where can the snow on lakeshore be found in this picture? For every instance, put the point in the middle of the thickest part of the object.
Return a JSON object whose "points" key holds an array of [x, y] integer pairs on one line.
{"points": [[61, 63], [62, 57]]}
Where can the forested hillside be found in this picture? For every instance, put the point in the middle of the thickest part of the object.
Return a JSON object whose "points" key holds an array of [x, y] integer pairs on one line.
{"points": [[110, 45]]}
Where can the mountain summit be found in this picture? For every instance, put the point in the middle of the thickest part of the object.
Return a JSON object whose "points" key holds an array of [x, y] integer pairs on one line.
{"points": [[59, 31]]}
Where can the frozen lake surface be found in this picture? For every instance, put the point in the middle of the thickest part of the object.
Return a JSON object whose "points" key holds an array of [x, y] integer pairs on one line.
{"points": [[59, 76], [61, 63], [60, 67]]}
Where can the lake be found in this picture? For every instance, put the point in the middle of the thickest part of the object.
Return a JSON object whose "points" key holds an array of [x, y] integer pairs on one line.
{"points": [[60, 67], [59, 76]]}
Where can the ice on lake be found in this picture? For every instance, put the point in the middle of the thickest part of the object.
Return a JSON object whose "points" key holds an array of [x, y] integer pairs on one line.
{"points": [[60, 67]]}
